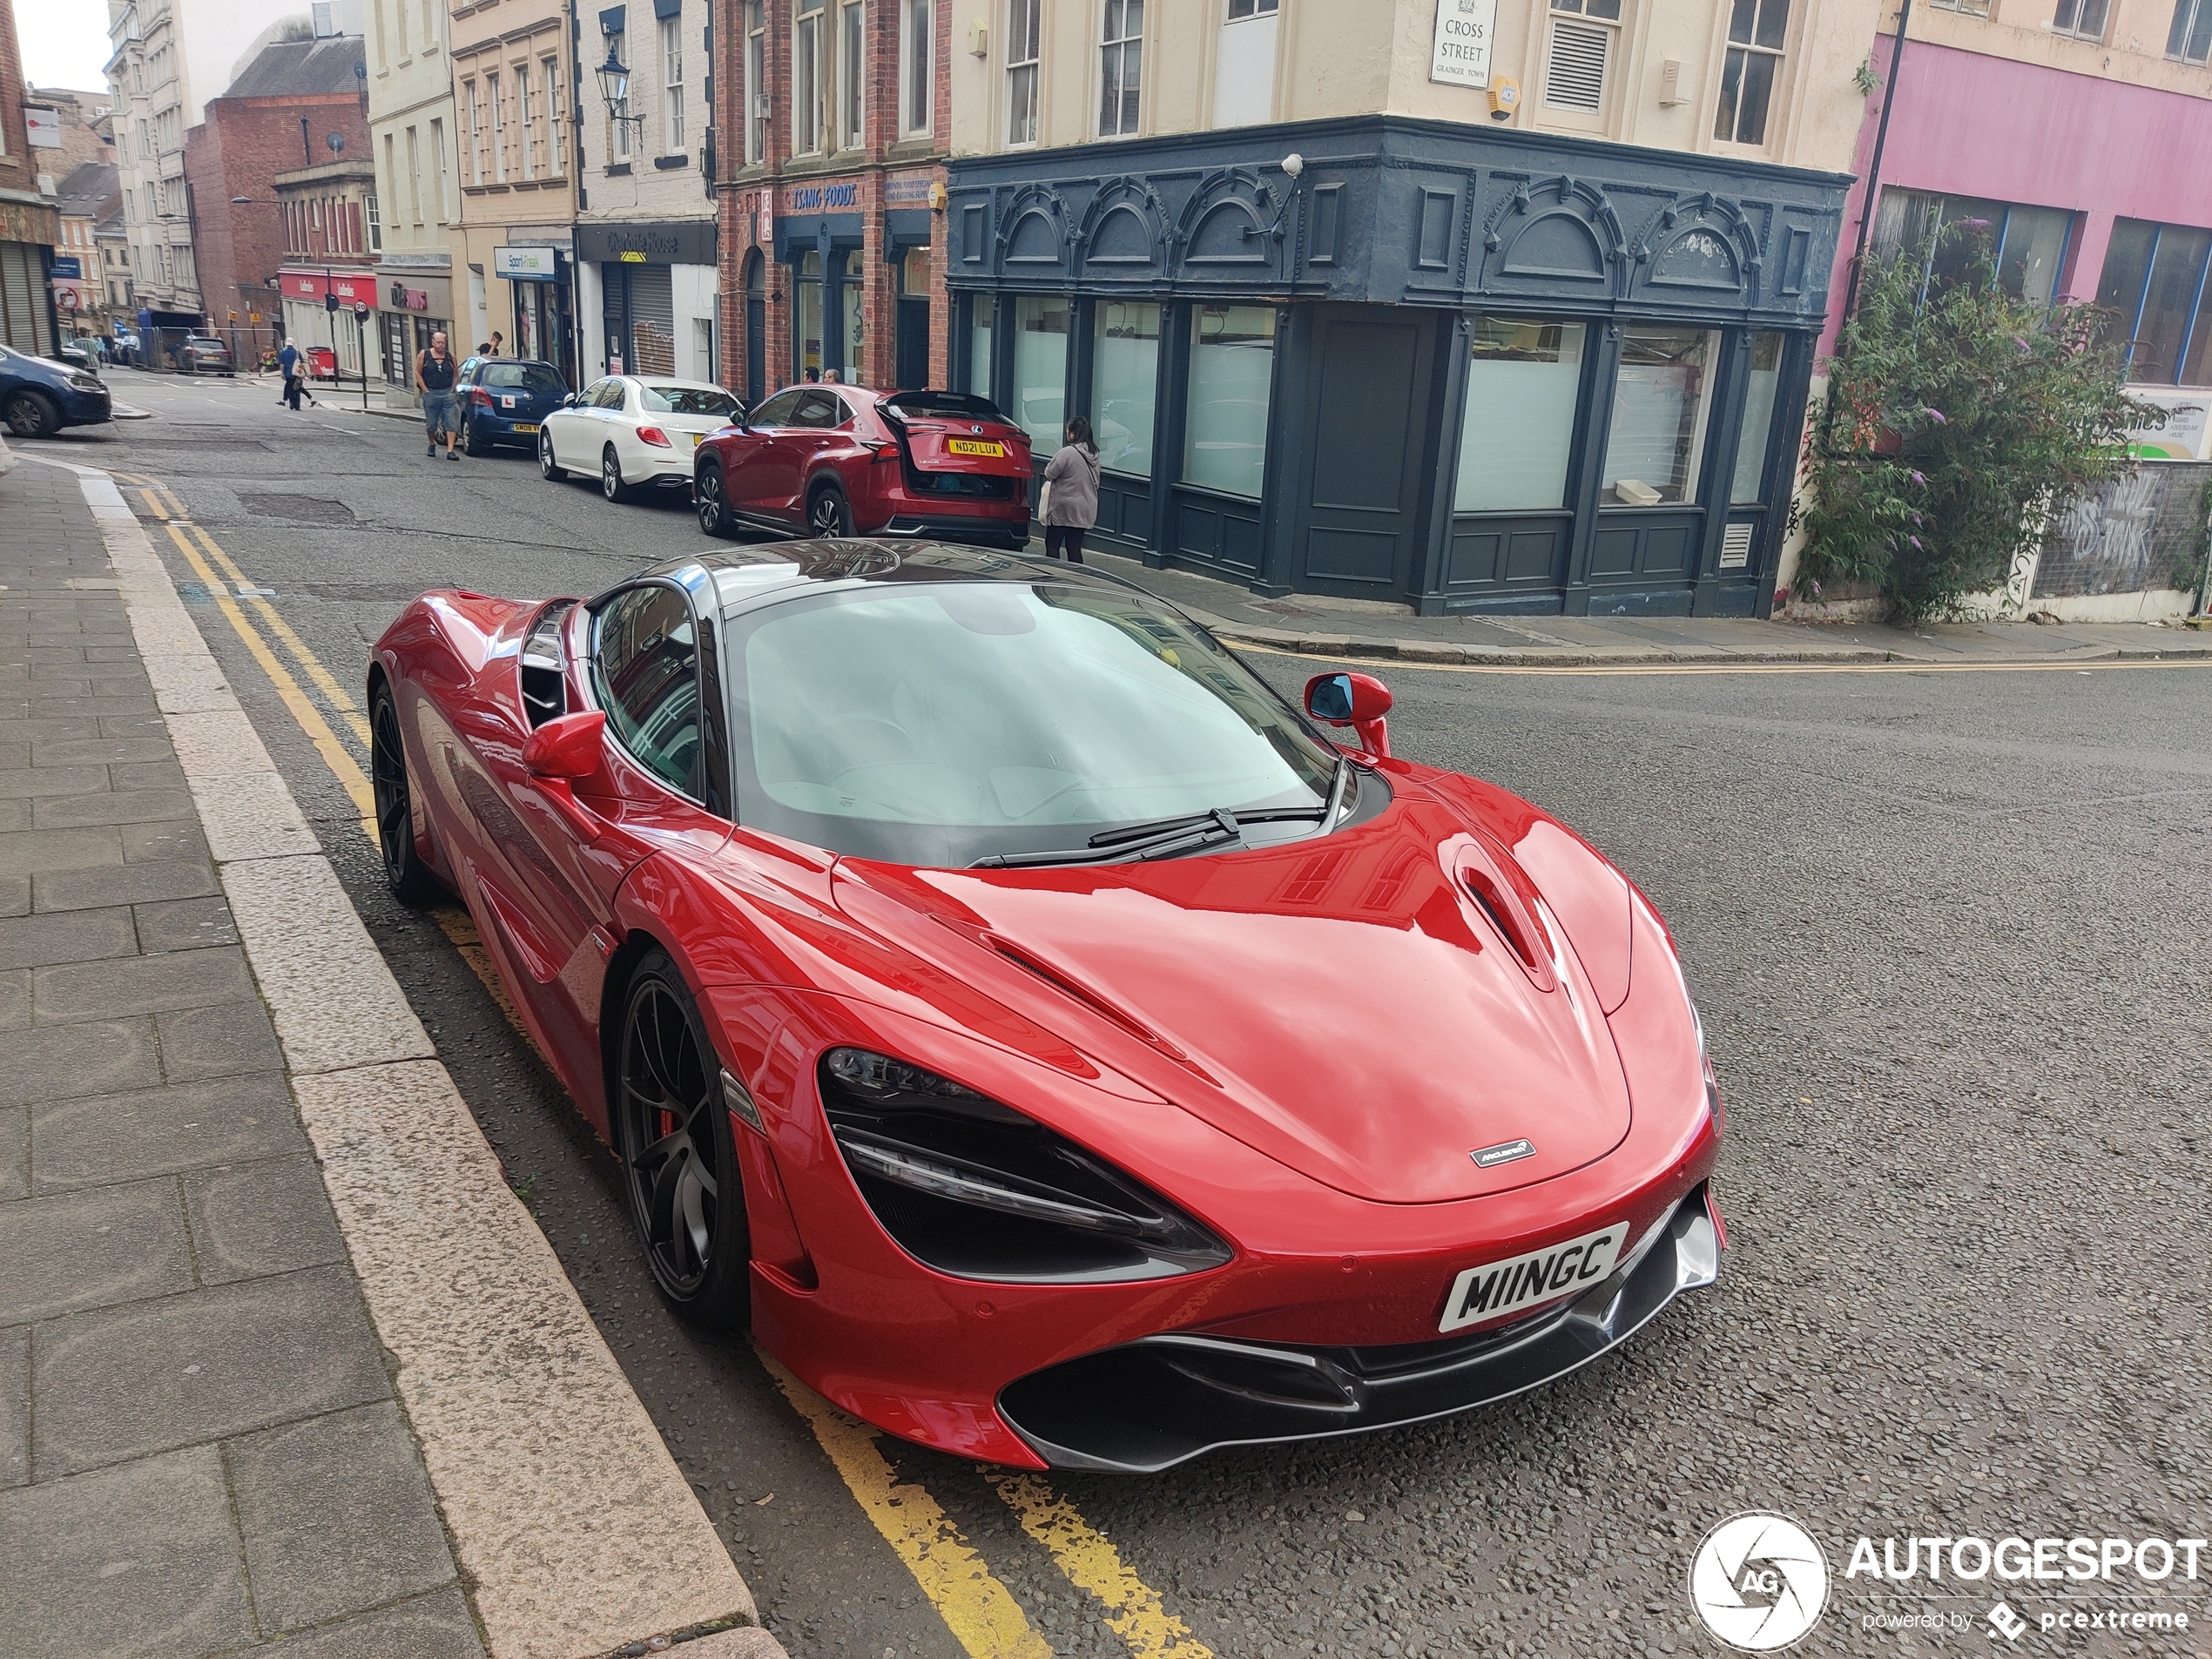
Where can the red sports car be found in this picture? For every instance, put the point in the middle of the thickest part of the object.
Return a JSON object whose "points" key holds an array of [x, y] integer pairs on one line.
{"points": [[843, 461], [1065, 1052]]}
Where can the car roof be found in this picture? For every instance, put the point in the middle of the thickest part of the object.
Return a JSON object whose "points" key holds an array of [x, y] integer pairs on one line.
{"points": [[746, 578], [674, 380]]}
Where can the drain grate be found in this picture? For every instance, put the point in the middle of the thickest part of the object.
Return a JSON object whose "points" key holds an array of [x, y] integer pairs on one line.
{"points": [[302, 509]]}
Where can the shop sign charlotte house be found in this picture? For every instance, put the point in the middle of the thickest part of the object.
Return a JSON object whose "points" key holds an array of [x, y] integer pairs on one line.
{"points": [[1464, 32]]}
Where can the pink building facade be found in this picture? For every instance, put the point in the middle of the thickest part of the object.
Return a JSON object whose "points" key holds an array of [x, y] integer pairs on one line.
{"points": [[2108, 186]]}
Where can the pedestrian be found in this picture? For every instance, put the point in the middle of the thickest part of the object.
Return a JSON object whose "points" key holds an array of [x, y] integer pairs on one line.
{"points": [[434, 371], [498, 343], [483, 349], [830, 377], [812, 375], [1069, 504], [288, 366]]}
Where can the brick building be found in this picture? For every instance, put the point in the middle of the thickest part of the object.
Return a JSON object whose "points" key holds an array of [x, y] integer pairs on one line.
{"points": [[297, 104], [832, 242], [28, 223]]}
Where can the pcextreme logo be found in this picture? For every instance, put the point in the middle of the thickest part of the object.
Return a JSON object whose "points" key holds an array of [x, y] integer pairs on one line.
{"points": [[1758, 1581]]}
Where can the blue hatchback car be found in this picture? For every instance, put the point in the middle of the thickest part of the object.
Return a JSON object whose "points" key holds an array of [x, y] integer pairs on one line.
{"points": [[504, 400], [39, 396]]}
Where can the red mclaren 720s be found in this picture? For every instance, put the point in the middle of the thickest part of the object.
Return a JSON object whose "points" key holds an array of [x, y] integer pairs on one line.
{"points": [[1064, 1052]]}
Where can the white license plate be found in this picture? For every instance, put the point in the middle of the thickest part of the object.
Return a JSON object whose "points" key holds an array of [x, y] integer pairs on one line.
{"points": [[1544, 1275]]}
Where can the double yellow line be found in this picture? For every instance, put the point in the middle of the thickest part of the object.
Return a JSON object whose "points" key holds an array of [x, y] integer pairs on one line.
{"points": [[982, 1615]]}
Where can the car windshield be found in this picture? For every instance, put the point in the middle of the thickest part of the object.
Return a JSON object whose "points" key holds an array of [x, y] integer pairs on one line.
{"points": [[942, 723], [958, 406], [685, 399], [528, 377]]}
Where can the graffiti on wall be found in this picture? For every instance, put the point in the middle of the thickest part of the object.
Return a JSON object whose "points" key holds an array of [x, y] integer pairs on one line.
{"points": [[2127, 535]]}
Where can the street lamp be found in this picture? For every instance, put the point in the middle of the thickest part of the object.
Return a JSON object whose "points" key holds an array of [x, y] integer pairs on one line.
{"points": [[614, 89]]}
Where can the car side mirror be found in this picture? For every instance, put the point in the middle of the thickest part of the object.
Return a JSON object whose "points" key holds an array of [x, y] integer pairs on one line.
{"points": [[571, 746], [1359, 701]]}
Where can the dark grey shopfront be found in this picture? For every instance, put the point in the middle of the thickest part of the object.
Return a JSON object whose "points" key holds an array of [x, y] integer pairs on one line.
{"points": [[1465, 370]]}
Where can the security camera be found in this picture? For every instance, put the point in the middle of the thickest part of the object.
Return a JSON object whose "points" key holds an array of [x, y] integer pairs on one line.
{"points": [[1294, 164]]}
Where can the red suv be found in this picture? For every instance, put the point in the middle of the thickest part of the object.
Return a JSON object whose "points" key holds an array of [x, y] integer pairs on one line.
{"points": [[845, 460]]}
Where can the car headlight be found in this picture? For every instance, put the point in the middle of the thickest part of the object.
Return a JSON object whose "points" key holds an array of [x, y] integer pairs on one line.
{"points": [[976, 1190], [1705, 1065], [85, 383]]}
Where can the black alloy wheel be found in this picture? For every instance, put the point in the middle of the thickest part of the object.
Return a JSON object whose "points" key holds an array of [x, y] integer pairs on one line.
{"points": [[32, 414], [611, 484], [404, 871], [548, 468], [679, 1152], [714, 512], [828, 514]]}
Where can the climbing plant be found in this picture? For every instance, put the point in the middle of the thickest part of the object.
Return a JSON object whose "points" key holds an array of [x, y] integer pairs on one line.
{"points": [[1956, 414]]}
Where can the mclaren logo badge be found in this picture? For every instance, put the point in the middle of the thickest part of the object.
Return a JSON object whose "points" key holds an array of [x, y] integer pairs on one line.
{"points": [[1504, 1152]]}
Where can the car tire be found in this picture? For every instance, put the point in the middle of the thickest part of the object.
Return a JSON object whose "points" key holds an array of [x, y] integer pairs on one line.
{"points": [[31, 414], [611, 483], [392, 786], [678, 1151], [713, 509], [828, 514], [548, 468], [474, 447]]}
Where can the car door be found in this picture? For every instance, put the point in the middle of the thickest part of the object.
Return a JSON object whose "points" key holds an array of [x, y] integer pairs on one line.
{"points": [[564, 426], [756, 480], [819, 418]]}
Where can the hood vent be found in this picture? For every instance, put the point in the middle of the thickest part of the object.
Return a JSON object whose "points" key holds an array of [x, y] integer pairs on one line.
{"points": [[1512, 920]]}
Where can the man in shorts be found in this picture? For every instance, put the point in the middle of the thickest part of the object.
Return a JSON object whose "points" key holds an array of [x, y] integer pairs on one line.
{"points": [[434, 376]]}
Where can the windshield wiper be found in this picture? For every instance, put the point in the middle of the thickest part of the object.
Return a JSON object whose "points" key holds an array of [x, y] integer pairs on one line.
{"points": [[1167, 837]]}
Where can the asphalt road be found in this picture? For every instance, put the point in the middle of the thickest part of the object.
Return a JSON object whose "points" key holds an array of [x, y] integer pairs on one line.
{"points": [[1949, 934]]}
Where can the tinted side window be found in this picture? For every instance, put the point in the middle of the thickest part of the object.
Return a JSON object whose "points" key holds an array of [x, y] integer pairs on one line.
{"points": [[610, 394], [645, 669], [777, 410], [820, 409]]}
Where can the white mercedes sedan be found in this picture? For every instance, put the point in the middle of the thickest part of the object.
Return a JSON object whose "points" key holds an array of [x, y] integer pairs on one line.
{"points": [[633, 430]]}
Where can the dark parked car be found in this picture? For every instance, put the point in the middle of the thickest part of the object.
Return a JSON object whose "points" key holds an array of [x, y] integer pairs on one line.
{"points": [[39, 396], [205, 354], [505, 400], [846, 460]]}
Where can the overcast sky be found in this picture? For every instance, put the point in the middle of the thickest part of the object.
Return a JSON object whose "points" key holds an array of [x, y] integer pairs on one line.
{"points": [[64, 43]]}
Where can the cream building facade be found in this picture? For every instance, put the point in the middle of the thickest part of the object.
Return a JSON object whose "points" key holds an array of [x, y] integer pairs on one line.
{"points": [[1468, 304], [411, 136], [514, 248]]}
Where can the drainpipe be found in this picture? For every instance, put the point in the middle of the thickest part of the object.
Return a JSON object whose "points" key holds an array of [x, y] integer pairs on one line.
{"points": [[1874, 166]]}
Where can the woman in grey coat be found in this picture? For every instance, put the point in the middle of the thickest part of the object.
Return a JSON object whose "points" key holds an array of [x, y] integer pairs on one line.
{"points": [[1072, 476]]}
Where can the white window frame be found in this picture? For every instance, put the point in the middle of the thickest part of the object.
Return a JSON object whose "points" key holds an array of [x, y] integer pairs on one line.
{"points": [[807, 82], [528, 145], [1115, 53], [1747, 50], [756, 67], [1024, 27], [852, 74], [556, 163], [2074, 31], [438, 154], [672, 75], [917, 65], [618, 131], [498, 127]]}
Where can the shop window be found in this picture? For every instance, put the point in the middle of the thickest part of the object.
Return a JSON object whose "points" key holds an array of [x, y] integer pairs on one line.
{"points": [[1243, 84], [807, 78], [1232, 367], [810, 314], [1583, 40], [1121, 66], [1022, 23], [918, 54], [2153, 284], [1524, 385], [2084, 18], [2027, 244], [1756, 31], [1760, 397], [1040, 368], [852, 54], [979, 344], [1660, 401], [1124, 377], [2191, 38]]}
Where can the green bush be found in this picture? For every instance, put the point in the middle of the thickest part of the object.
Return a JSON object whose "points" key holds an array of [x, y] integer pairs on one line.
{"points": [[1952, 420]]}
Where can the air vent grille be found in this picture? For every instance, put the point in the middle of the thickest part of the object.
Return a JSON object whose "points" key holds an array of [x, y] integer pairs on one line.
{"points": [[1574, 76], [1736, 547]]}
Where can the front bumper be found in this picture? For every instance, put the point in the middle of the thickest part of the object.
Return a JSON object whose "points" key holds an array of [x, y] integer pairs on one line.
{"points": [[84, 408], [1149, 1404]]}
